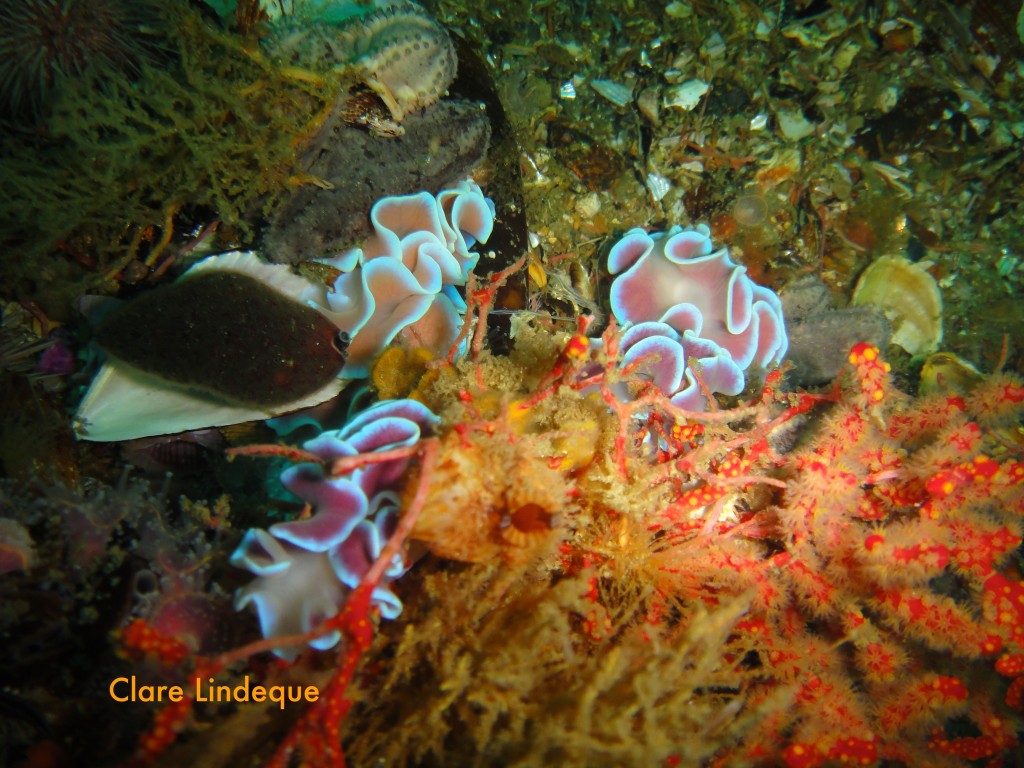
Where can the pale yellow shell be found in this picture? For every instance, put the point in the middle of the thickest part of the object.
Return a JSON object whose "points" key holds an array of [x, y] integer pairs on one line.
{"points": [[410, 60], [909, 297], [948, 374]]}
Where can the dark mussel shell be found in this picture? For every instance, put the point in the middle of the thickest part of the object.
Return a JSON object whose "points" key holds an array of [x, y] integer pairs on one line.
{"points": [[229, 336]]}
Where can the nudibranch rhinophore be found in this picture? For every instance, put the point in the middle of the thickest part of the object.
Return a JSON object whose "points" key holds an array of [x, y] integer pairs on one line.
{"points": [[232, 340]]}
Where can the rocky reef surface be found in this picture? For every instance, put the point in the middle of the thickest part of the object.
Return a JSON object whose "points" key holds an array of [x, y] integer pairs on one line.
{"points": [[357, 168]]}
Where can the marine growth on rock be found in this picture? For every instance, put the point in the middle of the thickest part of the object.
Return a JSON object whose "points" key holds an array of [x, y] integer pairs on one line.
{"points": [[394, 46]]}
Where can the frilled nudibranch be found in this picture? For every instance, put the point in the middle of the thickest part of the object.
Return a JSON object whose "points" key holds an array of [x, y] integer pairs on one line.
{"points": [[306, 568], [404, 276], [678, 299]]}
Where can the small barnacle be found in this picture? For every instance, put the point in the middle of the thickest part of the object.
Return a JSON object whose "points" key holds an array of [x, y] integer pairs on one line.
{"points": [[527, 520]]}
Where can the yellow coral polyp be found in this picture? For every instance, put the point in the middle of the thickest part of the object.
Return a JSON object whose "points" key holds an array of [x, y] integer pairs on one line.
{"points": [[577, 348], [398, 371], [577, 448]]}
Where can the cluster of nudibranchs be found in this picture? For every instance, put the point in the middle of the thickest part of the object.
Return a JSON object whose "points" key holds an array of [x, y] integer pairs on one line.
{"points": [[676, 297]]}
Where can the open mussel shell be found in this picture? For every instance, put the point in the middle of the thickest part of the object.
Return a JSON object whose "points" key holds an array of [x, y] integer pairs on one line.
{"points": [[233, 340]]}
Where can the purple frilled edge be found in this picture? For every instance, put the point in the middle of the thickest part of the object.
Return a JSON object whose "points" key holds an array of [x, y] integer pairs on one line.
{"points": [[305, 568], [404, 278], [677, 298]]}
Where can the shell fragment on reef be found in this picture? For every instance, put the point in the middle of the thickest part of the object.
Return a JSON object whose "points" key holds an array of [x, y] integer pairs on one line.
{"points": [[402, 53], [658, 186], [407, 58], [618, 94], [686, 96], [909, 297], [262, 352], [948, 374]]}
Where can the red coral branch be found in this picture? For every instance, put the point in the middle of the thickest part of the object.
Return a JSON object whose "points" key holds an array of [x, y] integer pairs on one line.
{"points": [[317, 734]]}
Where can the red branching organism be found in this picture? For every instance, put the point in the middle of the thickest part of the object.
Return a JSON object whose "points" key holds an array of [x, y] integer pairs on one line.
{"points": [[885, 595], [316, 738], [869, 534]]}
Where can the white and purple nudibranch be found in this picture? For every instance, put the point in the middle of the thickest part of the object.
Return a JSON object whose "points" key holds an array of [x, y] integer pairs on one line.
{"points": [[678, 298], [305, 569], [404, 278]]}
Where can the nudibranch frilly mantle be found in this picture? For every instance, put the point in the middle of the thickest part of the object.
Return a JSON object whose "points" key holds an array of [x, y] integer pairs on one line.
{"points": [[680, 298]]}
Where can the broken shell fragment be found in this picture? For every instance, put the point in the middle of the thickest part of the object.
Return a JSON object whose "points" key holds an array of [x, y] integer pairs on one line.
{"points": [[948, 374], [648, 102], [909, 297], [686, 95], [658, 186], [618, 94]]}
